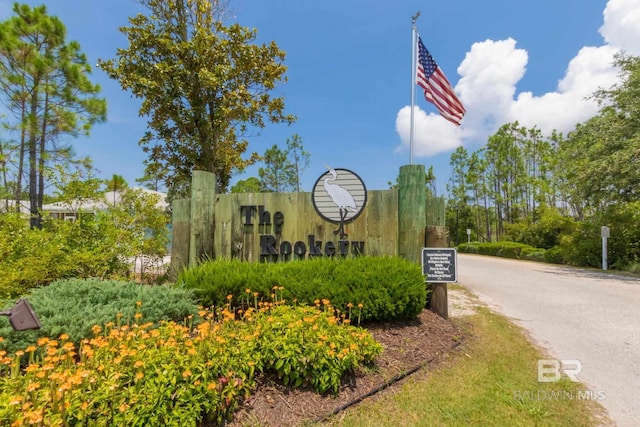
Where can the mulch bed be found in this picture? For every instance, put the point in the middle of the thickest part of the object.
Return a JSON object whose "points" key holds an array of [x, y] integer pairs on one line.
{"points": [[409, 346]]}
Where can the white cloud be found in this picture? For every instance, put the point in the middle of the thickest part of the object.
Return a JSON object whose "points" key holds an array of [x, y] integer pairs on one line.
{"points": [[621, 28], [491, 70], [569, 105], [433, 134]]}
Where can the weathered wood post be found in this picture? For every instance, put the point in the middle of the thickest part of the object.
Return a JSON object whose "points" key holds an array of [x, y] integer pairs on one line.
{"points": [[411, 212], [438, 300], [180, 236], [203, 196]]}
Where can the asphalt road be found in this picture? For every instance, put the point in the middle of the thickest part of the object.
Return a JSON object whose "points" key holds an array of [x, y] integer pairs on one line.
{"points": [[575, 314]]}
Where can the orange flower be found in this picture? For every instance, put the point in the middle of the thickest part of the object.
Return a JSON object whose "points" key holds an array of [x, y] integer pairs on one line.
{"points": [[33, 386]]}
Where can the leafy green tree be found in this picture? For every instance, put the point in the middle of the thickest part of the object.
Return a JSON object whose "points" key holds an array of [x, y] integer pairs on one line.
{"points": [[116, 184], [458, 213], [249, 185], [600, 157], [154, 174], [75, 189], [204, 87], [298, 157], [279, 174], [44, 81]]}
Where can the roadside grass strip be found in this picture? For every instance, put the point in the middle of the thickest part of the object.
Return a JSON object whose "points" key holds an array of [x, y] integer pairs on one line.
{"points": [[492, 380]]}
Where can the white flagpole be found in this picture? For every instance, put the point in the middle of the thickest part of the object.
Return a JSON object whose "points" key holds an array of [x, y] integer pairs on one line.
{"points": [[414, 49]]}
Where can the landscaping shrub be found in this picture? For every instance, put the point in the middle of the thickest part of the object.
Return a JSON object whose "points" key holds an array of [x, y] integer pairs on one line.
{"points": [[174, 375], [303, 345], [388, 288], [73, 307], [533, 254], [503, 249]]}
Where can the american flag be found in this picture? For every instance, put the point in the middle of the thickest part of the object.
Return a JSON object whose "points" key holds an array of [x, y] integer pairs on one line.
{"points": [[437, 88]]}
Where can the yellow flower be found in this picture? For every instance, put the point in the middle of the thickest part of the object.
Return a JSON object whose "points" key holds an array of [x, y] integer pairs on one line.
{"points": [[186, 374], [139, 376], [138, 303], [96, 329], [64, 337]]}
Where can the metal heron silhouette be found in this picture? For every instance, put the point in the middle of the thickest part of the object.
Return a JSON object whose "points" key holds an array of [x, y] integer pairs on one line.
{"points": [[341, 197]]}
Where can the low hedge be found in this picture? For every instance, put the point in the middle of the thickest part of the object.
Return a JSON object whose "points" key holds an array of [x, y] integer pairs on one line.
{"points": [[74, 306], [504, 249], [378, 288]]}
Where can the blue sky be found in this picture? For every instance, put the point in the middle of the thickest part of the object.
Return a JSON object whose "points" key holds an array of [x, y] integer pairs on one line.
{"points": [[349, 75]]}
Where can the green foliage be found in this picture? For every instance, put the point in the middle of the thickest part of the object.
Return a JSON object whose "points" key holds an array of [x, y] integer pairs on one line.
{"points": [[249, 185], [133, 375], [282, 168], [503, 249], [98, 244], [176, 375], [555, 255], [298, 157], [73, 306], [544, 231], [303, 345], [278, 175], [33, 257], [46, 87], [203, 85], [388, 288], [584, 246]]}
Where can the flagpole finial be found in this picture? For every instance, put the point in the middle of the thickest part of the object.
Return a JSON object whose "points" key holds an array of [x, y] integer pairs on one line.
{"points": [[415, 17]]}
